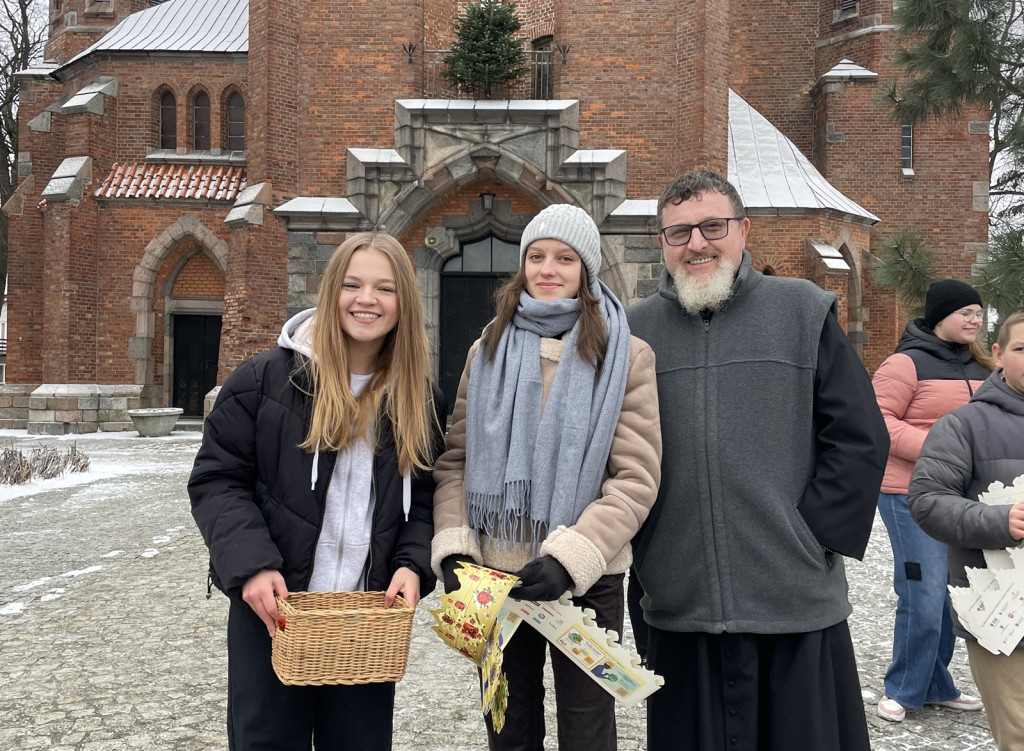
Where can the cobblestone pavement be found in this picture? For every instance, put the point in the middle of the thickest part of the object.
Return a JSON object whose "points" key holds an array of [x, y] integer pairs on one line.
{"points": [[107, 640]]}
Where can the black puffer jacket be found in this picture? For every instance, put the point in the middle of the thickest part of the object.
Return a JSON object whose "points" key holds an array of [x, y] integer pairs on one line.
{"points": [[250, 486]]}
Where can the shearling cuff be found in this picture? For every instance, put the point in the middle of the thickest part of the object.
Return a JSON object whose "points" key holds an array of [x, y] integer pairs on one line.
{"points": [[454, 541], [579, 555]]}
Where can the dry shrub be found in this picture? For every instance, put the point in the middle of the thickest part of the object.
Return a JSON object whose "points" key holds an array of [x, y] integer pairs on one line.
{"points": [[42, 463]]}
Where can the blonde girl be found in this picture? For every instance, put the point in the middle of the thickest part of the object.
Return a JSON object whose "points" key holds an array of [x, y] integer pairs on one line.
{"points": [[314, 474]]}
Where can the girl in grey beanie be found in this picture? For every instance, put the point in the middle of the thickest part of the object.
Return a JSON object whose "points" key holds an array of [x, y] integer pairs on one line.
{"points": [[552, 463]]}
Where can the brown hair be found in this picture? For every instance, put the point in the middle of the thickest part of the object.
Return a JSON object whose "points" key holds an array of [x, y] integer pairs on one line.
{"points": [[696, 184], [592, 341], [398, 389]]}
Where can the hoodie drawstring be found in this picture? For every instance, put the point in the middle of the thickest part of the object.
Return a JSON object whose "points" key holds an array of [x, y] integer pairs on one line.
{"points": [[316, 470], [406, 494]]}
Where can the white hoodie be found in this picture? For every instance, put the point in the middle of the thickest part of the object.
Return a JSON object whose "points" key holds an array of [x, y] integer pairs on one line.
{"points": [[344, 543]]}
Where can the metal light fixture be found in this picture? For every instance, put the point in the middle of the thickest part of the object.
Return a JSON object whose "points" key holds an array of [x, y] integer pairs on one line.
{"points": [[487, 201]]}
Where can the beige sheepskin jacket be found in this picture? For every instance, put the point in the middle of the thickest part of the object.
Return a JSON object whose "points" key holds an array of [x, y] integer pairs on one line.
{"points": [[599, 542]]}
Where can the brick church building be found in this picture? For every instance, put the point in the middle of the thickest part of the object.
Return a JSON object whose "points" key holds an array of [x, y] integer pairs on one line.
{"points": [[186, 168]]}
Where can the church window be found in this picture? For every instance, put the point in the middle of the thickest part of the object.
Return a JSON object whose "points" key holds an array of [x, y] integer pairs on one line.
{"points": [[541, 69], [168, 121], [907, 148], [236, 122], [201, 122]]}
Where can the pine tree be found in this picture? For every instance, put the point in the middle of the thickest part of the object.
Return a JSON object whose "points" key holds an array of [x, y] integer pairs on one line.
{"points": [[486, 54], [1001, 279], [908, 265], [962, 53]]}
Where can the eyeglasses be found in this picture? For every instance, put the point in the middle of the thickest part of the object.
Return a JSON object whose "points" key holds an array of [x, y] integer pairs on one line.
{"points": [[971, 315], [710, 229]]}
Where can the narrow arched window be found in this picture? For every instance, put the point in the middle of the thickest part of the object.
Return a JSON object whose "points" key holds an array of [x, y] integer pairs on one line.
{"points": [[201, 122], [541, 67], [236, 122], [168, 121]]}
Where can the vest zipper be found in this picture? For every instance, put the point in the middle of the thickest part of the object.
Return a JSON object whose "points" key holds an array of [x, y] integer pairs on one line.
{"points": [[706, 317]]}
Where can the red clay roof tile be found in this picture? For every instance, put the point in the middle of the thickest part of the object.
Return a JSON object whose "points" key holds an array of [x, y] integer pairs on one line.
{"points": [[209, 182]]}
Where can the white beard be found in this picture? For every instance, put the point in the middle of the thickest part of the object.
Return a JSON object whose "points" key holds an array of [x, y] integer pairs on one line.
{"points": [[710, 293]]}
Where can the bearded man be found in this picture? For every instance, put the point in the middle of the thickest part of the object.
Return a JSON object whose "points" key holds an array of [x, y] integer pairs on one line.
{"points": [[774, 451]]}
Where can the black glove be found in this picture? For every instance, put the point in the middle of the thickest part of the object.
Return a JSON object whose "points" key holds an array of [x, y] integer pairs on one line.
{"points": [[542, 579], [451, 579]]}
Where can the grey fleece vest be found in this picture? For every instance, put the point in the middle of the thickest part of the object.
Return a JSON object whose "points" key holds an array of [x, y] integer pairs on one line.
{"points": [[725, 548]]}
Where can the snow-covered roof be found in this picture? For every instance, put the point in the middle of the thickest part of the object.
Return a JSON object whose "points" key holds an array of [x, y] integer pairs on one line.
{"points": [[179, 26], [770, 172], [847, 70]]}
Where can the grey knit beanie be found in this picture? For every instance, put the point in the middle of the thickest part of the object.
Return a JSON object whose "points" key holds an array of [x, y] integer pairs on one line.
{"points": [[573, 226]]}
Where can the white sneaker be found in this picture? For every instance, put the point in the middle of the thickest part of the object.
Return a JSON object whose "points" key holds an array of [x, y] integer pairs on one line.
{"points": [[964, 702], [891, 710]]}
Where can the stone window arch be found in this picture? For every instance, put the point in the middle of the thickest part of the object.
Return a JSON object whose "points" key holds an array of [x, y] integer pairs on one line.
{"points": [[144, 279]]}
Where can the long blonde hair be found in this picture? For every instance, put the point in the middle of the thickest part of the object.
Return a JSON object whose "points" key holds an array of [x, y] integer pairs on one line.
{"points": [[398, 390]]}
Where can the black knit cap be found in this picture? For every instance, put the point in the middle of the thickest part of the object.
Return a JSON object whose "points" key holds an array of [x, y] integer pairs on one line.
{"points": [[947, 296]]}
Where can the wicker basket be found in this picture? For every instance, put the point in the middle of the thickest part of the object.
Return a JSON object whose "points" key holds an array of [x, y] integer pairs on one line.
{"points": [[341, 637]]}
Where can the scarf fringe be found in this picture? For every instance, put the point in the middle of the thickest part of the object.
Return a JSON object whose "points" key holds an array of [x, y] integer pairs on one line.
{"points": [[537, 462], [505, 517]]}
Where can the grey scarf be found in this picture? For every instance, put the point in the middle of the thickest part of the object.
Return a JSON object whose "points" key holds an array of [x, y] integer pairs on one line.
{"points": [[543, 469]]}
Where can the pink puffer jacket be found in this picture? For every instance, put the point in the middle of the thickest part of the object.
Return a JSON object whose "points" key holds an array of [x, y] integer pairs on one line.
{"points": [[926, 378]]}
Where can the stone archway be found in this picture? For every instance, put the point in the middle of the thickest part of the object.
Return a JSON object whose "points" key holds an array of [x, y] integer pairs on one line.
{"points": [[857, 311], [443, 242], [144, 283]]}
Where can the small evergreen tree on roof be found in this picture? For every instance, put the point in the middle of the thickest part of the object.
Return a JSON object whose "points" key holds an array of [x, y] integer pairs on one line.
{"points": [[486, 54]]}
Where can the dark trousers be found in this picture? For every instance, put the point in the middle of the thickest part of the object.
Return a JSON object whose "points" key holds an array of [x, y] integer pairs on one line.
{"points": [[757, 692], [266, 715], [585, 711]]}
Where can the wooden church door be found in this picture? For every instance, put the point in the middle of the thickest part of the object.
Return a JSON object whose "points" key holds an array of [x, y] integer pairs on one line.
{"points": [[196, 346]]}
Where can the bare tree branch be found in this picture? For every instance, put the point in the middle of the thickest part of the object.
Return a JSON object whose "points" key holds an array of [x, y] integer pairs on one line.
{"points": [[23, 27]]}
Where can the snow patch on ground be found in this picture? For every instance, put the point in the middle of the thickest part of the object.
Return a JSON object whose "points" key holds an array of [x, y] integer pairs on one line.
{"points": [[32, 585], [14, 608], [53, 594], [83, 571], [149, 552]]}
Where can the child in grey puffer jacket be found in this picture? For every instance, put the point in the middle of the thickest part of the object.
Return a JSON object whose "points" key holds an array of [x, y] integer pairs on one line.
{"points": [[964, 453]]}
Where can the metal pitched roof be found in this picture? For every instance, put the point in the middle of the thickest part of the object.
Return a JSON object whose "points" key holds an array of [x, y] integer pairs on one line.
{"points": [[179, 26], [847, 70], [770, 172], [206, 182]]}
